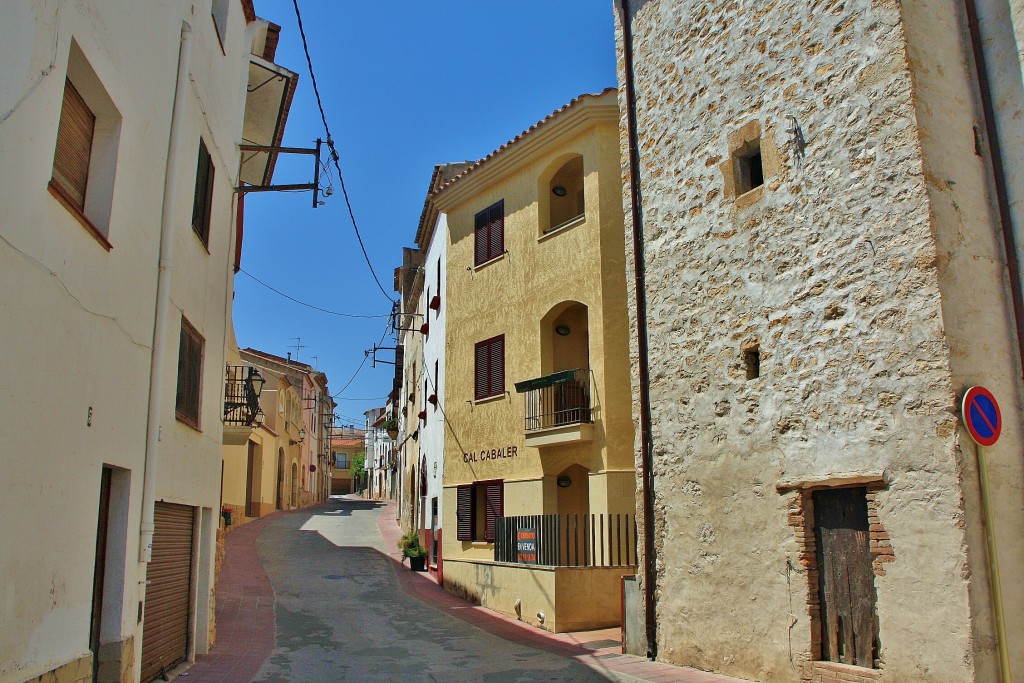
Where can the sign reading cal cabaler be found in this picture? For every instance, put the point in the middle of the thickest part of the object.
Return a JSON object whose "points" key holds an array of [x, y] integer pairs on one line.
{"points": [[491, 454]]}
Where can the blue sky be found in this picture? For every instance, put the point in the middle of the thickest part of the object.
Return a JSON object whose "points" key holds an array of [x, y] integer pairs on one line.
{"points": [[404, 85]]}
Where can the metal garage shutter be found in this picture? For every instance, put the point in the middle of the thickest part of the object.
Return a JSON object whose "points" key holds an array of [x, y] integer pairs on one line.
{"points": [[165, 628]]}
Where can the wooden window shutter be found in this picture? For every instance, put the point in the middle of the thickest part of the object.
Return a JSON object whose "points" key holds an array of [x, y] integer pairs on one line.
{"points": [[496, 231], [497, 366], [482, 370], [464, 513], [74, 145], [190, 368], [495, 506], [203, 201], [480, 238]]}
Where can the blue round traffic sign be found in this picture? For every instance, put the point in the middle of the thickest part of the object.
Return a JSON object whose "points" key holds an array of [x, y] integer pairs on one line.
{"points": [[981, 416]]}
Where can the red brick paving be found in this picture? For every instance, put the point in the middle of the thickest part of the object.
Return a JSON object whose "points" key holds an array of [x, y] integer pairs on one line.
{"points": [[245, 612]]}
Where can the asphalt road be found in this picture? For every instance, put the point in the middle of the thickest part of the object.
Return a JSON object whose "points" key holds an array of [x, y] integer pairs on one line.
{"points": [[341, 615]]}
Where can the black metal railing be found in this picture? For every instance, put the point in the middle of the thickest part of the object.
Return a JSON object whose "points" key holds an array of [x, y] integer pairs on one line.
{"points": [[561, 398], [241, 402], [567, 540]]}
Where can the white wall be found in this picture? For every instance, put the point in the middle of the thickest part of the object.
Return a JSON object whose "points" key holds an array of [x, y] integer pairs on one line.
{"points": [[76, 320], [432, 433]]}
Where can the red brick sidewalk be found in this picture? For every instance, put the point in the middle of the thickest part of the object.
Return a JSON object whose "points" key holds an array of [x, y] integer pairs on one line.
{"points": [[422, 586], [245, 612]]}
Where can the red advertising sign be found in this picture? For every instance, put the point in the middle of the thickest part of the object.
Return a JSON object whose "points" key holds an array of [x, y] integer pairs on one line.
{"points": [[526, 546]]}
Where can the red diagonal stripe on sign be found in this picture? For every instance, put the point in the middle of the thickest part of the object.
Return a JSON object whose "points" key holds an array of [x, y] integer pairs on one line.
{"points": [[974, 404]]}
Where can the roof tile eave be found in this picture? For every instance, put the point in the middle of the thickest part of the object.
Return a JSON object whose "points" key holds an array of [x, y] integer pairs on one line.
{"points": [[543, 122]]}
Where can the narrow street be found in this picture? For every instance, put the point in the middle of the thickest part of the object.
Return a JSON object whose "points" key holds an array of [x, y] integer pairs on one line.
{"points": [[347, 611], [341, 614]]}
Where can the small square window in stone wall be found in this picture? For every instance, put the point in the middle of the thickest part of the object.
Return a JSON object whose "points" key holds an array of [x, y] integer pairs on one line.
{"points": [[753, 160]]}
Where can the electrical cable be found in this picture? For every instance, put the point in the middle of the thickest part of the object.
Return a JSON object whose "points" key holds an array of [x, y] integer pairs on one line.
{"points": [[334, 152], [352, 378], [303, 303]]}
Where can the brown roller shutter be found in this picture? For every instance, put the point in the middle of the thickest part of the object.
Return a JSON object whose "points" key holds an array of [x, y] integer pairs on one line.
{"points": [[464, 512], [168, 594], [74, 145], [495, 506]]}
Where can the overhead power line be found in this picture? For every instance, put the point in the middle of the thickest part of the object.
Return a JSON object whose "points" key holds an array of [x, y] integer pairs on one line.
{"points": [[303, 303], [334, 152]]}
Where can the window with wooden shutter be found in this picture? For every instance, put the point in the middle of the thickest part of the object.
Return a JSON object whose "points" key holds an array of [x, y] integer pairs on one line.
{"points": [[74, 146], [490, 367], [495, 496], [190, 373], [203, 201], [464, 513], [489, 233]]}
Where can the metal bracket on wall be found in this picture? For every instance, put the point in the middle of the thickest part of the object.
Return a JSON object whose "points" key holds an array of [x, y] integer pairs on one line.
{"points": [[314, 186]]}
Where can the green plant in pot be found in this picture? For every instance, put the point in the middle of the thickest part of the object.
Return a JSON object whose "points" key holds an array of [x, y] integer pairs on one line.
{"points": [[391, 427], [410, 546]]}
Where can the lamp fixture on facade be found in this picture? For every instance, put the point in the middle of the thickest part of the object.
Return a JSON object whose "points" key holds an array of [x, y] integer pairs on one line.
{"points": [[257, 381], [559, 191], [564, 481], [562, 330]]}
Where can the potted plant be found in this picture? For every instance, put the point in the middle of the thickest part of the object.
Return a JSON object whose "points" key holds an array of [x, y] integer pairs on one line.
{"points": [[411, 548], [391, 427]]}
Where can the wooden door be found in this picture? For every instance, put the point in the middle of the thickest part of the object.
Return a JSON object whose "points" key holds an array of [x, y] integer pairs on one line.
{"points": [[846, 585]]}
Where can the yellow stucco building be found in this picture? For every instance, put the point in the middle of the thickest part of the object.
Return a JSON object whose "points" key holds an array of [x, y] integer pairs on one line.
{"points": [[538, 478]]}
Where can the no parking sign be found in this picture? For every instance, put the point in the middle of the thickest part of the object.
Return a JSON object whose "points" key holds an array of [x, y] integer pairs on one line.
{"points": [[981, 416]]}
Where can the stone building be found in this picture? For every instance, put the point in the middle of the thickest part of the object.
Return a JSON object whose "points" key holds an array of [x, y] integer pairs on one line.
{"points": [[825, 228]]}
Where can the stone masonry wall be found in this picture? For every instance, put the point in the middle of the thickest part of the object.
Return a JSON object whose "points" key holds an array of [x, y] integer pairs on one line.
{"points": [[828, 271]]}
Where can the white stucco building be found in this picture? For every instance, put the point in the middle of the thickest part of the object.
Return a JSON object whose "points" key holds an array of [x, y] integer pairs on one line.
{"points": [[425, 392], [119, 127]]}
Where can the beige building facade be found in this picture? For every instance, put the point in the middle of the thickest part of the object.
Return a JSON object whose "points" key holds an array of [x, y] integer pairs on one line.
{"points": [[538, 437], [823, 275]]}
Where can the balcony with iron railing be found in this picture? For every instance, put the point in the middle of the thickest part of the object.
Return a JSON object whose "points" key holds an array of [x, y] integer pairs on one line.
{"points": [[558, 408], [242, 386]]}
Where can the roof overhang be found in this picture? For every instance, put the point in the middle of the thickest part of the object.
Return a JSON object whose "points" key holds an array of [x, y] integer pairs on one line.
{"points": [[269, 97]]}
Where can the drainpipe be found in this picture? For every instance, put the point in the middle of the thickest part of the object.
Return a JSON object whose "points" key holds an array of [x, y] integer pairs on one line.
{"points": [[1013, 272], [163, 298], [646, 438]]}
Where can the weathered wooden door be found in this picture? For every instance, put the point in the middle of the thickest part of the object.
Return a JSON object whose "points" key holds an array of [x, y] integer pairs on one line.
{"points": [[846, 586]]}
